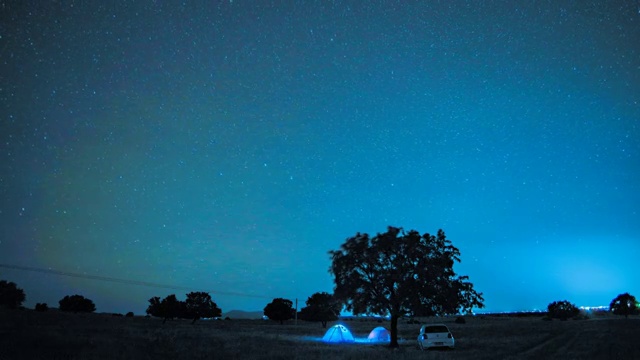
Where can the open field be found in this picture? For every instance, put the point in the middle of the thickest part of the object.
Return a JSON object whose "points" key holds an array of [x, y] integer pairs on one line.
{"points": [[25, 334]]}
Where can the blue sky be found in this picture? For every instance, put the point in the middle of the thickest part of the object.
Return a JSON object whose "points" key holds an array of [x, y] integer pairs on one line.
{"points": [[228, 146]]}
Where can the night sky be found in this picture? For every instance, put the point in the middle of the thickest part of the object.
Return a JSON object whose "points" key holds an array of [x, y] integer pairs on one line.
{"points": [[228, 146]]}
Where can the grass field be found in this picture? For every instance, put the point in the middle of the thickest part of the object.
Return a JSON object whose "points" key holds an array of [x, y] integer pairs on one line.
{"points": [[25, 334]]}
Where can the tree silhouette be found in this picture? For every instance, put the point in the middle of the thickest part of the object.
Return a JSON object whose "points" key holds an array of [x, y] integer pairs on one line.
{"points": [[76, 303], [155, 308], [562, 310], [41, 307], [11, 296], [625, 304], [172, 308], [199, 305], [280, 310], [401, 273], [322, 307]]}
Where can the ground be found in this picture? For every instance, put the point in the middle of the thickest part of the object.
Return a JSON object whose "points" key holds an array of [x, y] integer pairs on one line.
{"points": [[26, 334]]}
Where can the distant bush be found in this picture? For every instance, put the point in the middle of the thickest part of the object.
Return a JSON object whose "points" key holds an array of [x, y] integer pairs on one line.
{"points": [[41, 307], [11, 295], [460, 320], [562, 310], [116, 315], [77, 303], [129, 314]]}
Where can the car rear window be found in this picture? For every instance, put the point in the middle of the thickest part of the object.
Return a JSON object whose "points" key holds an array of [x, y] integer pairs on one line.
{"points": [[436, 329]]}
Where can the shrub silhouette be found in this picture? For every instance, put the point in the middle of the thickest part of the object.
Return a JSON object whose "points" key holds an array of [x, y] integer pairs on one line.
{"points": [[562, 310], [11, 296], [129, 314], [41, 307], [77, 303], [625, 304]]}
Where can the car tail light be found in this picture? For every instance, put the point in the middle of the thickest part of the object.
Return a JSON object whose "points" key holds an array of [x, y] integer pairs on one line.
{"points": [[449, 335]]}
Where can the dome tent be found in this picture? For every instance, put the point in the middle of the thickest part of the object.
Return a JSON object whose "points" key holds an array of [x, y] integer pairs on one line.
{"points": [[379, 334], [338, 334]]}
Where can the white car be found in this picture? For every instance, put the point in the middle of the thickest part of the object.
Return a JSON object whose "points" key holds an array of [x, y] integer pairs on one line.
{"points": [[435, 336]]}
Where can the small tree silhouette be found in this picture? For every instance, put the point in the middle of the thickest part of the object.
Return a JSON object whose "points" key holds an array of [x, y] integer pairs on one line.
{"points": [[562, 310], [322, 307], [77, 303], [199, 305], [280, 310], [41, 307], [155, 309], [11, 296], [625, 304]]}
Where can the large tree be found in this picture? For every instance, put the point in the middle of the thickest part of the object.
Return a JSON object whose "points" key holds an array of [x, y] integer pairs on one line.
{"points": [[280, 310], [400, 273], [322, 307], [624, 304], [199, 305], [11, 296]]}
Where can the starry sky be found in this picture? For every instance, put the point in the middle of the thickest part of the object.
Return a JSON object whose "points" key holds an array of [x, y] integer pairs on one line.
{"points": [[227, 146]]}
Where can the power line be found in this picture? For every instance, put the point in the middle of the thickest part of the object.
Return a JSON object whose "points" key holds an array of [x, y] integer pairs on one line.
{"points": [[125, 281]]}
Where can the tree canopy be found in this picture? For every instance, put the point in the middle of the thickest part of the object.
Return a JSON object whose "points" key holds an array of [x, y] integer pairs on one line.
{"points": [[154, 308], [11, 296], [400, 273], [168, 308], [196, 306], [322, 307], [280, 310], [76, 303], [625, 304], [199, 305], [562, 310]]}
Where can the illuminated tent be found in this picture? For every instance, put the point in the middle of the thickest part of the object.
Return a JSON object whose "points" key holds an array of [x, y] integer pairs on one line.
{"points": [[338, 334], [379, 334]]}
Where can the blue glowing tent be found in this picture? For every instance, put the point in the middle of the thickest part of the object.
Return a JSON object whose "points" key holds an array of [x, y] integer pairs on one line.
{"points": [[338, 334], [379, 334]]}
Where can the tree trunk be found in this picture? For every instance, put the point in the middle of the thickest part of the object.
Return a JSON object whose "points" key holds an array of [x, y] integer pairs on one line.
{"points": [[394, 332]]}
